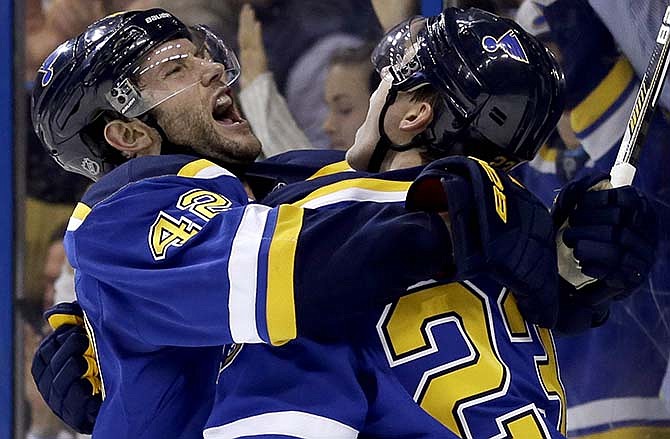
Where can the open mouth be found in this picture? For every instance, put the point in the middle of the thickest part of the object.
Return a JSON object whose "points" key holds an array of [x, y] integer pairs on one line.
{"points": [[224, 112]]}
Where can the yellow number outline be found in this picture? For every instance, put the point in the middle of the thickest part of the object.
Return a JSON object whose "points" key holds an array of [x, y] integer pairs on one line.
{"points": [[167, 231], [205, 204]]}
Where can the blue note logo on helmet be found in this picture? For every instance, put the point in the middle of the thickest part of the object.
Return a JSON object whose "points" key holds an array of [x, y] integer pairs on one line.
{"points": [[46, 69], [508, 43], [92, 78], [499, 90]]}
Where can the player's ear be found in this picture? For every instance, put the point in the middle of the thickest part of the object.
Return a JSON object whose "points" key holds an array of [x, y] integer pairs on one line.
{"points": [[133, 138], [417, 117]]}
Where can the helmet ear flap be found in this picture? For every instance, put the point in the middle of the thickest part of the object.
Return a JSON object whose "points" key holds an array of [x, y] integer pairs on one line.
{"points": [[447, 124]]}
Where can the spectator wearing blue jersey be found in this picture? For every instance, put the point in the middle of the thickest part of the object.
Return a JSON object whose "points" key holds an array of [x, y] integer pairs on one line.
{"points": [[634, 25]]}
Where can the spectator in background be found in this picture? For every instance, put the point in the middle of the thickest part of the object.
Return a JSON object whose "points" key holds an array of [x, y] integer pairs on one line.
{"points": [[41, 423], [634, 24], [350, 81], [506, 8], [300, 36], [392, 12], [263, 106], [563, 157], [53, 265]]}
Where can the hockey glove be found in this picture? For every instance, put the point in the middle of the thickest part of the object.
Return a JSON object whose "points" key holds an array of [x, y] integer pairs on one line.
{"points": [[498, 228], [608, 234], [65, 370]]}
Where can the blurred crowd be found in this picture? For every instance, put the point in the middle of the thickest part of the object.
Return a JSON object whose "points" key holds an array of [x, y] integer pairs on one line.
{"points": [[305, 83]]}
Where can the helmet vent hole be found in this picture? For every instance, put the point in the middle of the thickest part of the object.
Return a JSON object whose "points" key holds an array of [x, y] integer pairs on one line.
{"points": [[498, 116]]}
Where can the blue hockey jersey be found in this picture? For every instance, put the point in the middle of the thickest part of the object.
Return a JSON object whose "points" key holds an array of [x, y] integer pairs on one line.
{"points": [[444, 361], [173, 261]]}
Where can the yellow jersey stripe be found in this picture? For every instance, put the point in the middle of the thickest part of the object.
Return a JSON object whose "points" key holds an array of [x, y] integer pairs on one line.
{"points": [[280, 301], [603, 96], [81, 211], [367, 189], [202, 169], [78, 216], [331, 169]]}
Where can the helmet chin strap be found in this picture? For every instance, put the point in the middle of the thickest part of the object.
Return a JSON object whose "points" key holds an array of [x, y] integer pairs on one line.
{"points": [[384, 145]]}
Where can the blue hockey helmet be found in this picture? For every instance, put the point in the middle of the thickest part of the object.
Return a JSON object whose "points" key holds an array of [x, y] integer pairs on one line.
{"points": [[97, 73], [500, 91]]}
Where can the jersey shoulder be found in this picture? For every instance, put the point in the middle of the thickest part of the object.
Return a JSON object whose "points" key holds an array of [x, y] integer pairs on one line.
{"points": [[163, 199], [171, 170]]}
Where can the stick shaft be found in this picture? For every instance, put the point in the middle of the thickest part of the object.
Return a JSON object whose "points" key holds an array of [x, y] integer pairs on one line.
{"points": [[646, 103]]}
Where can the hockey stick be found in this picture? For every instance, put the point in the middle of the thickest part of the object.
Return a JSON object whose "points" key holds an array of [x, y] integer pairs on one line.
{"points": [[646, 102]]}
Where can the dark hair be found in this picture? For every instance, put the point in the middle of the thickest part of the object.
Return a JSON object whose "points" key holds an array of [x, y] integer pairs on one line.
{"points": [[426, 93], [359, 55]]}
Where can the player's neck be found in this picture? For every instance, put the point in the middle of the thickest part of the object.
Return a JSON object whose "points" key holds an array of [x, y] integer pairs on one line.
{"points": [[248, 190], [402, 160]]}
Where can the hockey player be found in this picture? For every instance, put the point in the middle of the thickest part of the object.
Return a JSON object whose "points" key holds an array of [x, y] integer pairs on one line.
{"points": [[460, 351], [472, 306]]}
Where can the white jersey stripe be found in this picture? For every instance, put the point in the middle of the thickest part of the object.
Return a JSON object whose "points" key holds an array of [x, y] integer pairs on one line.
{"points": [[243, 274], [73, 224], [213, 172], [356, 194], [615, 410], [292, 424]]}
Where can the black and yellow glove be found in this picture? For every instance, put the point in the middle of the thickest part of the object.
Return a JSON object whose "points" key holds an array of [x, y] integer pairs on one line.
{"points": [[65, 369]]}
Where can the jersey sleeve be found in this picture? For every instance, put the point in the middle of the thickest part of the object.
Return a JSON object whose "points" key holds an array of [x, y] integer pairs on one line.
{"points": [[189, 262]]}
